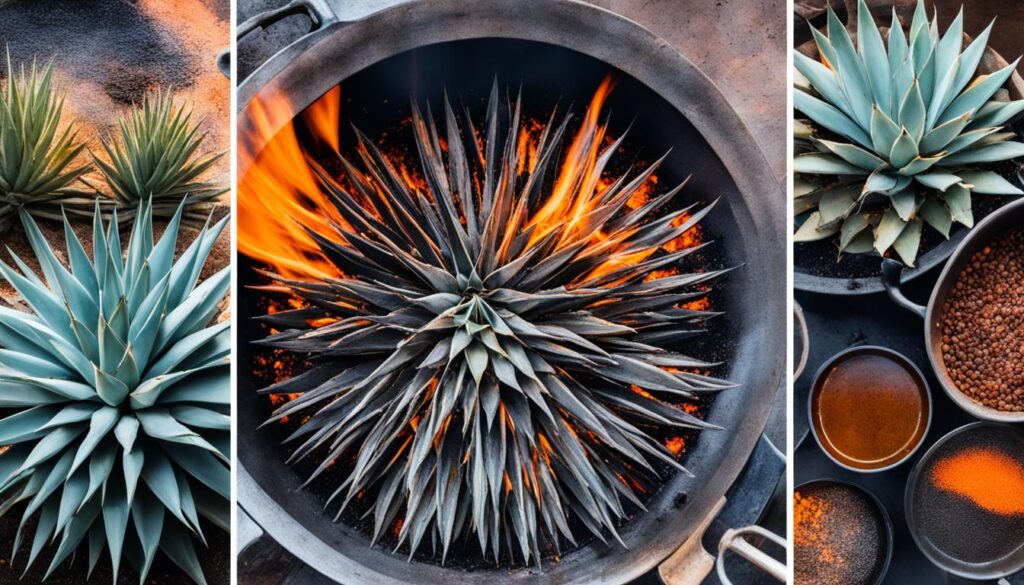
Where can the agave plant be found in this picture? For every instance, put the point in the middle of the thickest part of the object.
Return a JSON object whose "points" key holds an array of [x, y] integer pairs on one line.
{"points": [[157, 157], [487, 369], [119, 381], [37, 158], [908, 127]]}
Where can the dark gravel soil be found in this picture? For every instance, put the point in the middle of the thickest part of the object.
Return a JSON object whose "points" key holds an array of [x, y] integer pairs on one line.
{"points": [[215, 561], [110, 42], [822, 258]]}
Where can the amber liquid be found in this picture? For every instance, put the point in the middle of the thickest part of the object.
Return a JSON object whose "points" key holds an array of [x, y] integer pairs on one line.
{"points": [[870, 410]]}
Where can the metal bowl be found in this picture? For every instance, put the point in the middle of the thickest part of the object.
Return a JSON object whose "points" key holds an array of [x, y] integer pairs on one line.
{"points": [[883, 515], [996, 569], [819, 378], [1009, 216], [751, 212]]}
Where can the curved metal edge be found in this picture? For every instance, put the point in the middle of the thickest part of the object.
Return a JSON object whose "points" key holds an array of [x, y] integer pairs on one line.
{"points": [[944, 281], [264, 512], [835, 286], [822, 371], [714, 120], [908, 497], [891, 279]]}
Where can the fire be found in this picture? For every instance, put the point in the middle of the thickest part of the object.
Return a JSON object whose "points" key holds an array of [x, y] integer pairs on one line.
{"points": [[589, 140], [675, 445], [280, 201], [278, 194]]}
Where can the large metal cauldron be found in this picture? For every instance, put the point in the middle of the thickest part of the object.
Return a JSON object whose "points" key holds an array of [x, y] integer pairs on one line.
{"points": [[749, 222]]}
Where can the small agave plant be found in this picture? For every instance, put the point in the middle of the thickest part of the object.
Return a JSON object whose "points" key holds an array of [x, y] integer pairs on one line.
{"points": [[37, 158], [156, 156], [484, 375], [899, 133], [119, 382]]}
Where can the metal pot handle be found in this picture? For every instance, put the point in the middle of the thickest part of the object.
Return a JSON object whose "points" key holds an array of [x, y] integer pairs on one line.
{"points": [[733, 540], [318, 11], [891, 273], [800, 325]]}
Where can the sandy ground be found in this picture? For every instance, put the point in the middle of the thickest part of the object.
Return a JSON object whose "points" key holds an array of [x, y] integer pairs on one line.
{"points": [[110, 53]]}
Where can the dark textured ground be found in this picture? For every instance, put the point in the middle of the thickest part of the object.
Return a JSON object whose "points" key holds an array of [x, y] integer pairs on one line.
{"points": [[109, 53], [215, 561]]}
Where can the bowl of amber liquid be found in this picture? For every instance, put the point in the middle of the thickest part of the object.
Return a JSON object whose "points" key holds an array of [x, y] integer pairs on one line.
{"points": [[870, 409]]}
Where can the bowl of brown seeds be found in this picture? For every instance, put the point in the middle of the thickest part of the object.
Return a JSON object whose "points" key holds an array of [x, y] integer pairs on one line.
{"points": [[974, 322]]}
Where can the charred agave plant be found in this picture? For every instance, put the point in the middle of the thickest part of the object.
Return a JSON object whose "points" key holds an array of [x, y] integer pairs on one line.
{"points": [[492, 372], [156, 156], [902, 132], [120, 388], [37, 157]]}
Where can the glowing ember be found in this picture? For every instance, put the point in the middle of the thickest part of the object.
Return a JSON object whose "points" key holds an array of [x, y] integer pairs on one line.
{"points": [[503, 326], [675, 445], [279, 197]]}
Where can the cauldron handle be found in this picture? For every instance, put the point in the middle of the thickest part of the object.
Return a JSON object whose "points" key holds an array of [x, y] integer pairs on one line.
{"points": [[891, 272], [734, 541], [318, 11]]}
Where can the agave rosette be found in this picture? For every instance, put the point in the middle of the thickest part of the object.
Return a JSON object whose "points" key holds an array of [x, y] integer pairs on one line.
{"points": [[156, 156], [119, 386], [37, 157], [900, 133], [494, 366]]}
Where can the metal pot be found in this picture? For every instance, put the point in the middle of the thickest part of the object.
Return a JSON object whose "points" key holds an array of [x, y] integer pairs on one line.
{"points": [[751, 212], [975, 572], [887, 528], [1009, 216], [819, 380], [802, 281]]}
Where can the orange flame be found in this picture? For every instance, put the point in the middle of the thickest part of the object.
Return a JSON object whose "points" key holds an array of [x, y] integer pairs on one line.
{"points": [[588, 140], [278, 194], [279, 198]]}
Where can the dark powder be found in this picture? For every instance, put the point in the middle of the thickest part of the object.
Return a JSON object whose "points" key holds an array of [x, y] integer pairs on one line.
{"points": [[839, 536], [961, 519]]}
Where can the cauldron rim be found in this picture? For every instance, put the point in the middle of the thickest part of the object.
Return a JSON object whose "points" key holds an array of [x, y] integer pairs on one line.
{"points": [[303, 74]]}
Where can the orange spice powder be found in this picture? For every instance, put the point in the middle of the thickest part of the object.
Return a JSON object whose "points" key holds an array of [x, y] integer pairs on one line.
{"points": [[988, 477]]}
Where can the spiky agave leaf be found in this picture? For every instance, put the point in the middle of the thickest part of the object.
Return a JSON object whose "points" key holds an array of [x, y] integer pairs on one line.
{"points": [[37, 157], [492, 370], [157, 156], [911, 131], [119, 385]]}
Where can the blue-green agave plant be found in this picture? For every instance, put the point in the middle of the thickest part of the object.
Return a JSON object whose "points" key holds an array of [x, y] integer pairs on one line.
{"points": [[117, 379], [911, 126]]}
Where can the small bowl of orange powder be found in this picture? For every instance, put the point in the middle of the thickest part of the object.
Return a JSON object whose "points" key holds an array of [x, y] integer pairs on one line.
{"points": [[870, 409], [965, 501], [842, 535]]}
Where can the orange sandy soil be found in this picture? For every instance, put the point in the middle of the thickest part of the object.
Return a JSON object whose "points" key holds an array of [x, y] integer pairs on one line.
{"points": [[100, 88], [192, 30]]}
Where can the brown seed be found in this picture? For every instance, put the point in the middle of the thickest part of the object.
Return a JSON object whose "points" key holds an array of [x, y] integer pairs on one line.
{"points": [[982, 325]]}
